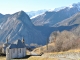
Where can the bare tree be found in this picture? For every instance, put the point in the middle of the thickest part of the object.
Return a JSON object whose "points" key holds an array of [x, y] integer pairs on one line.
{"points": [[53, 36]]}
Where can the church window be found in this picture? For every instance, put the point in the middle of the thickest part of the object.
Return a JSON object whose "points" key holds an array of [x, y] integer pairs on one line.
{"points": [[20, 50], [13, 50]]}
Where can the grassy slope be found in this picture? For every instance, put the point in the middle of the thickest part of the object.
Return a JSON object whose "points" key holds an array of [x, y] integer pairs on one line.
{"points": [[32, 58], [41, 58], [43, 48], [71, 54]]}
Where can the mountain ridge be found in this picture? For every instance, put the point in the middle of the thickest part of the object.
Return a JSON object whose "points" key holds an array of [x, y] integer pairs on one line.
{"points": [[19, 25], [53, 17]]}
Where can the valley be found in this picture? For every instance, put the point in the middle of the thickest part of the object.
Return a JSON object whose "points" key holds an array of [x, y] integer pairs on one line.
{"points": [[44, 34]]}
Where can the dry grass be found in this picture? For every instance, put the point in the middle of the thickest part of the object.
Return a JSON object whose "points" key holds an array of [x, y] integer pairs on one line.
{"points": [[32, 58], [2, 58], [63, 52], [41, 58], [71, 54], [74, 50], [47, 58], [43, 48]]}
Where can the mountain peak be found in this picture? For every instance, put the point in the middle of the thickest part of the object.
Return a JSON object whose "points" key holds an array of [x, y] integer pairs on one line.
{"points": [[22, 16], [76, 5], [21, 12]]}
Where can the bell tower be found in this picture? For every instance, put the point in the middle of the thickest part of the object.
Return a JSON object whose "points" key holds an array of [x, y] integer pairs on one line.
{"points": [[6, 40], [23, 40]]}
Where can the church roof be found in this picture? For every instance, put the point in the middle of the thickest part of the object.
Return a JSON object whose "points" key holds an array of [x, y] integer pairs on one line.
{"points": [[17, 44]]}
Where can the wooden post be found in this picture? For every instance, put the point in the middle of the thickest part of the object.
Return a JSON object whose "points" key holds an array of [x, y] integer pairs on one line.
{"points": [[47, 45]]}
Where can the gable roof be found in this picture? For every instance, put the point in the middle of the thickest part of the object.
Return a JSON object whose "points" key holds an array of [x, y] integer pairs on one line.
{"points": [[17, 44]]}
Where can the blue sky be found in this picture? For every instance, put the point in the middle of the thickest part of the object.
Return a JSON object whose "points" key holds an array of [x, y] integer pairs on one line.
{"points": [[12, 6]]}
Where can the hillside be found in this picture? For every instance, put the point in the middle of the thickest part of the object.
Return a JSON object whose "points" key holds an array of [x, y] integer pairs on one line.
{"points": [[18, 25], [43, 49], [75, 19], [67, 55], [60, 41]]}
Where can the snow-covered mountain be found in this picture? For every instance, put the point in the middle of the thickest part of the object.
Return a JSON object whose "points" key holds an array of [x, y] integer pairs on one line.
{"points": [[50, 18], [35, 13]]}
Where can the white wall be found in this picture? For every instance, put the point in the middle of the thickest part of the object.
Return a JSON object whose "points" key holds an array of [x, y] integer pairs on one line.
{"points": [[20, 54], [16, 53], [24, 51]]}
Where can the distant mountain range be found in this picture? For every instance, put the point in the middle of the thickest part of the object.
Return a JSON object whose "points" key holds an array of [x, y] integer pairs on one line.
{"points": [[50, 18], [75, 19], [36, 27]]}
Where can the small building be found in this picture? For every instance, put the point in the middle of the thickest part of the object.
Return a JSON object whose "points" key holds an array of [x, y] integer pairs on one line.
{"points": [[16, 50]]}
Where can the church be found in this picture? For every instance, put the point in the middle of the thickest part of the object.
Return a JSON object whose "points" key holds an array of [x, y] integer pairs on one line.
{"points": [[15, 50]]}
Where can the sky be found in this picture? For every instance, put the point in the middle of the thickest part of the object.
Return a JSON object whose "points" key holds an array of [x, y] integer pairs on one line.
{"points": [[12, 6]]}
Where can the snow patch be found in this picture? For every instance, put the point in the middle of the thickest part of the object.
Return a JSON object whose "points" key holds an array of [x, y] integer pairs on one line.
{"points": [[58, 9], [70, 6], [21, 28], [50, 10], [36, 15]]}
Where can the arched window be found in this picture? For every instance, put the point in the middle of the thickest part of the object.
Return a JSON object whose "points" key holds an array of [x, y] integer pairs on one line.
{"points": [[13, 50], [20, 50]]}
